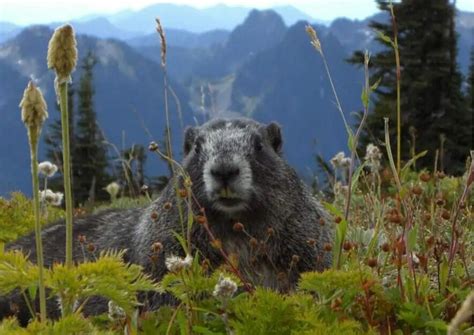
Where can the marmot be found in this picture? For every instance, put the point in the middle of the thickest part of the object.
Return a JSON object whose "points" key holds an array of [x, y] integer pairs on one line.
{"points": [[254, 202]]}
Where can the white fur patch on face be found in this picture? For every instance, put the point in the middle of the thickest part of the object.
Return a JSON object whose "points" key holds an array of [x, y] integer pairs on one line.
{"points": [[228, 146]]}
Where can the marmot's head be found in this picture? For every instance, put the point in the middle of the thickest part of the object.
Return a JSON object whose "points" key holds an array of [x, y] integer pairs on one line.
{"points": [[226, 160]]}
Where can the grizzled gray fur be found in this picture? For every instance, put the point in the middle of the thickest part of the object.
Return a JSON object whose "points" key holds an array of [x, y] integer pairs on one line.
{"points": [[238, 175]]}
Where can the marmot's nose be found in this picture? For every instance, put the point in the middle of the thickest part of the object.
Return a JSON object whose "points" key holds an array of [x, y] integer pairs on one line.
{"points": [[225, 173]]}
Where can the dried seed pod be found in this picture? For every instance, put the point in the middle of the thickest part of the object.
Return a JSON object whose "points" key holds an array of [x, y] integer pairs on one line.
{"points": [[154, 216], [395, 218], [281, 276], [445, 215], [238, 226], [253, 243], [430, 241], [270, 231], [183, 193], [417, 190], [336, 303], [216, 244], [426, 217], [156, 247], [295, 259], [440, 175], [372, 262], [201, 219], [91, 247], [425, 177], [347, 246], [385, 247], [153, 146]]}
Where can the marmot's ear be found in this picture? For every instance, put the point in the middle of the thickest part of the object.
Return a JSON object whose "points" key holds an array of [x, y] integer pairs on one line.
{"points": [[189, 137], [274, 135]]}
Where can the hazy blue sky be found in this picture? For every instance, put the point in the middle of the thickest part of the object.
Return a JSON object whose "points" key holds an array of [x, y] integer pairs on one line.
{"points": [[40, 11]]}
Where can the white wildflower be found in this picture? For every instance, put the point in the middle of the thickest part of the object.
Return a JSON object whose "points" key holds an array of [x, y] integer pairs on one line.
{"points": [[225, 288], [115, 312], [337, 160], [47, 168], [176, 263], [346, 162], [373, 155], [50, 197], [58, 199], [113, 189], [188, 261]]}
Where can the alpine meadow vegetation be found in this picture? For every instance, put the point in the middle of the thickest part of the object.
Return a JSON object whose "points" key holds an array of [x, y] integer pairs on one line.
{"points": [[403, 253]]}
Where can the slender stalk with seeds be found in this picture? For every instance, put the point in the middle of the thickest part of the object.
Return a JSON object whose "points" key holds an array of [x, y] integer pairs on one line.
{"points": [[33, 114], [169, 153], [398, 72], [316, 43], [365, 101], [62, 58]]}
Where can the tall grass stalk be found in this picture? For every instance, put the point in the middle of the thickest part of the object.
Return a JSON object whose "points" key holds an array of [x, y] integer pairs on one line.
{"points": [[398, 74], [316, 43], [33, 114], [36, 211], [62, 58], [408, 214], [66, 170], [365, 101], [169, 153]]}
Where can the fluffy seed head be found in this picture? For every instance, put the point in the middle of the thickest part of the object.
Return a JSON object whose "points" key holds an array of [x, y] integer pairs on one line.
{"points": [[340, 160], [62, 53], [33, 107], [115, 312], [113, 189], [225, 288], [176, 264], [50, 197], [47, 168], [373, 155], [314, 38], [161, 33]]}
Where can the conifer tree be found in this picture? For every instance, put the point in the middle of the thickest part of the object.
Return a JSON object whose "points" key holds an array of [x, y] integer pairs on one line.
{"points": [[90, 154], [431, 94]]}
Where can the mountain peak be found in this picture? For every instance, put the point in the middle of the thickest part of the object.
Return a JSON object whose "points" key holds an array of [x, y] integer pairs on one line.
{"points": [[260, 30], [268, 16]]}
